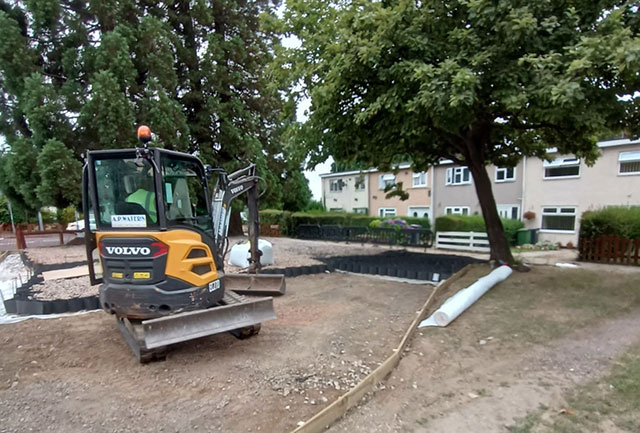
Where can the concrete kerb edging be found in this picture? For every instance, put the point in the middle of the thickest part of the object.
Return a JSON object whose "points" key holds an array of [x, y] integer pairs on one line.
{"points": [[336, 410]]}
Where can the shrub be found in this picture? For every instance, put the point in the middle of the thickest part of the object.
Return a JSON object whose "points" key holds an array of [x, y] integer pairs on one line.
{"points": [[424, 222], [375, 224], [48, 216], [66, 215], [475, 223], [395, 223], [289, 221], [613, 220]]}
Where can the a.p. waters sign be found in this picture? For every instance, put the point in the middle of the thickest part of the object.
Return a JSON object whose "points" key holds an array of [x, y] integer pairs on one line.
{"points": [[128, 221]]}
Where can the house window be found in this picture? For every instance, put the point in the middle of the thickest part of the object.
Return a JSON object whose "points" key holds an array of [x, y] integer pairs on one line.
{"points": [[386, 211], [360, 185], [505, 174], [561, 168], [336, 185], [509, 211], [419, 211], [361, 210], [420, 179], [457, 210], [336, 209], [458, 176], [559, 219], [385, 180], [629, 163]]}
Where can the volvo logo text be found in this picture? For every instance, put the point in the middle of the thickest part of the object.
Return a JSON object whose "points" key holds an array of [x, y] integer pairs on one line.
{"points": [[129, 251], [237, 189]]}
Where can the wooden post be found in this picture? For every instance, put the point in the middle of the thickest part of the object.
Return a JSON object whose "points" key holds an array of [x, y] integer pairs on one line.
{"points": [[61, 238], [21, 243]]}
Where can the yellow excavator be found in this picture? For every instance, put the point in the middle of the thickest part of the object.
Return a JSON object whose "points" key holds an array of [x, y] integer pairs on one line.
{"points": [[156, 239]]}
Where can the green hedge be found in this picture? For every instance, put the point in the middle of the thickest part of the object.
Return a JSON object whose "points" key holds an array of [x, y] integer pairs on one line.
{"points": [[614, 220], [475, 223], [289, 221]]}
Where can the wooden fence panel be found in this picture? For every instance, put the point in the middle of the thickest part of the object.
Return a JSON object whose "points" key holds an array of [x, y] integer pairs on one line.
{"points": [[610, 249]]}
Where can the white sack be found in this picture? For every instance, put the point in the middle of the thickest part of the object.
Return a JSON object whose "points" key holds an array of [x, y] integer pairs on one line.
{"points": [[455, 305], [240, 254]]}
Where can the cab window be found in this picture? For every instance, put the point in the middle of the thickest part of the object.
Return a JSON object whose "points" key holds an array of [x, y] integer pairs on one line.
{"points": [[126, 193], [183, 192]]}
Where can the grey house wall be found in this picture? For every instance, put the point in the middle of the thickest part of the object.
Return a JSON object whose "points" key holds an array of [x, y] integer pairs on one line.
{"points": [[505, 193]]}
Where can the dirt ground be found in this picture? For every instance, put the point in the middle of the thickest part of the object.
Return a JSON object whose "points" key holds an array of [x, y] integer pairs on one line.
{"points": [[76, 374], [522, 347], [287, 251]]}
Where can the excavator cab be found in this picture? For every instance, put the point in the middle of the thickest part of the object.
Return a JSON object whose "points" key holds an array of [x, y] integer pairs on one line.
{"points": [[157, 247]]}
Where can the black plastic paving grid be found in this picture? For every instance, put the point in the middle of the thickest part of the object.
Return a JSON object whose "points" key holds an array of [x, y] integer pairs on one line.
{"points": [[22, 304], [401, 264]]}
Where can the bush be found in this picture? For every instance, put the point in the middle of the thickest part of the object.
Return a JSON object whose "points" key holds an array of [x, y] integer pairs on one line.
{"points": [[273, 216], [475, 223], [289, 221], [423, 222], [614, 220], [67, 215], [48, 216]]}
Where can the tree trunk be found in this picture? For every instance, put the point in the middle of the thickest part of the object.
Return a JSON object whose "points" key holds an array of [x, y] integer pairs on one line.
{"points": [[500, 249], [235, 224]]}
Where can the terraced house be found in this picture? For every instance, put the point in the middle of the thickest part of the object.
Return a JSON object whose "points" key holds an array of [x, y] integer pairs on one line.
{"points": [[547, 195], [364, 192], [417, 185], [455, 194], [347, 191], [556, 193]]}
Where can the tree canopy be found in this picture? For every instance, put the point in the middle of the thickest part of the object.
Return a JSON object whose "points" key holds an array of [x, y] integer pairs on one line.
{"points": [[77, 75], [474, 81]]}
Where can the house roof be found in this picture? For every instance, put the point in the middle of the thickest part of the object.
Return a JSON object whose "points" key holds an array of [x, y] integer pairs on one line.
{"points": [[370, 170]]}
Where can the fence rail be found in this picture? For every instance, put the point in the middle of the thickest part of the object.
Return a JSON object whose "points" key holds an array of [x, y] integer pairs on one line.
{"points": [[465, 241], [380, 235], [610, 249]]}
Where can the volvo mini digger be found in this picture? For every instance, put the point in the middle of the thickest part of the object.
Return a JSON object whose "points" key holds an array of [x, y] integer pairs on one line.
{"points": [[158, 246]]}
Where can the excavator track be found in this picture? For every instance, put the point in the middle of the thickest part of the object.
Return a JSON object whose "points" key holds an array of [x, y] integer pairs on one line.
{"points": [[237, 314], [231, 298]]}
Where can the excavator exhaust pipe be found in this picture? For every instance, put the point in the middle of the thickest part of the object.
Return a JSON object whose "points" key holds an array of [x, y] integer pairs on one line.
{"points": [[255, 284]]}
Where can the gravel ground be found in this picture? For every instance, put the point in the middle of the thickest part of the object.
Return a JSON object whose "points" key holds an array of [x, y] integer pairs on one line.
{"points": [[287, 252], [76, 374], [55, 255], [64, 289]]}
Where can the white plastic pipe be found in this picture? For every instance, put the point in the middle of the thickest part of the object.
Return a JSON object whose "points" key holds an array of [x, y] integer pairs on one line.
{"points": [[455, 305]]}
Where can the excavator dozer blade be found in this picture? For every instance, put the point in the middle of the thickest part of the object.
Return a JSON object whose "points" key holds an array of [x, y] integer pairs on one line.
{"points": [[255, 284], [164, 331]]}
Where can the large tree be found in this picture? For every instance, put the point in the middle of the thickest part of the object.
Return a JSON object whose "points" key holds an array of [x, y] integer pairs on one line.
{"points": [[77, 75], [475, 81]]}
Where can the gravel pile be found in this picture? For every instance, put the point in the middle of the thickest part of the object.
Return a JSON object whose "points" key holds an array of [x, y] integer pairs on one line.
{"points": [[64, 289], [55, 255]]}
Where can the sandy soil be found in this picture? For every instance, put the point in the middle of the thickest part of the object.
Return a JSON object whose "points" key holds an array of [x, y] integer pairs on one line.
{"points": [[488, 369], [77, 374]]}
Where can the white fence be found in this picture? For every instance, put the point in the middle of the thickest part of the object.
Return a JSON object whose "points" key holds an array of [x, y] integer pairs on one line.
{"points": [[466, 241]]}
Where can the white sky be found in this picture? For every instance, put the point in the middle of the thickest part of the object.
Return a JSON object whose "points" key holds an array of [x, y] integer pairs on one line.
{"points": [[315, 184]]}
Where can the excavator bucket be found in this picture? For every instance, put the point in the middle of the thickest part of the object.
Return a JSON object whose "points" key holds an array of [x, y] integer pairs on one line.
{"points": [[255, 284], [240, 316]]}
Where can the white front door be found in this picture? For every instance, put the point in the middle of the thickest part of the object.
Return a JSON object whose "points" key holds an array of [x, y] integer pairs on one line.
{"points": [[419, 211], [509, 211]]}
